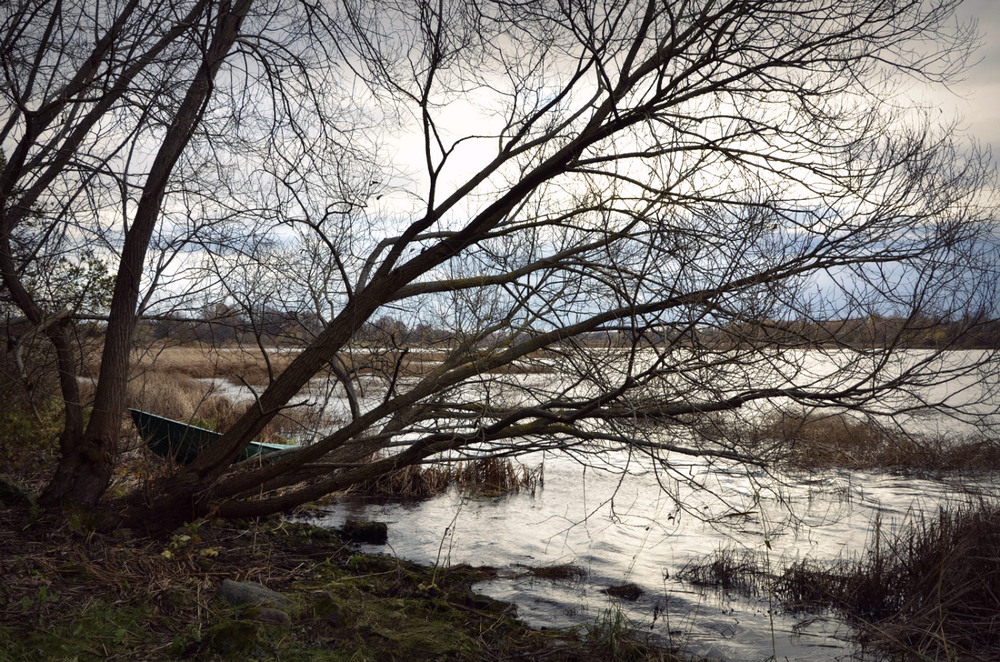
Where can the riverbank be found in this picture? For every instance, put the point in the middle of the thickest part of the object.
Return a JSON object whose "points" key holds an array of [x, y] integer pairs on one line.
{"points": [[72, 594]]}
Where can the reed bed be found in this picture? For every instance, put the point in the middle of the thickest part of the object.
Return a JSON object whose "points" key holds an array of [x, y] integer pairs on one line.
{"points": [[928, 591], [843, 441], [824, 441], [816, 442], [487, 477], [234, 364], [931, 590], [240, 365]]}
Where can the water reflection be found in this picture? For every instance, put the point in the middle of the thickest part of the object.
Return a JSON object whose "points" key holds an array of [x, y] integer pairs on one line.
{"points": [[636, 531]]}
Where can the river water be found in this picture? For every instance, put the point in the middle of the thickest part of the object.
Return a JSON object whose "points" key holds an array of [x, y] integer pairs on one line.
{"points": [[631, 529], [633, 521]]}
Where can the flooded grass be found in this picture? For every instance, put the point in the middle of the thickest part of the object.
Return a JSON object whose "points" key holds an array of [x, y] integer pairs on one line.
{"points": [[928, 591], [728, 569], [487, 477], [558, 572], [627, 591], [818, 441]]}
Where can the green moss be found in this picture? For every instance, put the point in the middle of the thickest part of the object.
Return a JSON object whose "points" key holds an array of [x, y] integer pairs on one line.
{"points": [[344, 607]]}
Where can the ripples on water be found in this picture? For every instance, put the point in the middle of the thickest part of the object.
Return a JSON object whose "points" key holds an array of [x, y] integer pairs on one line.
{"points": [[632, 530]]}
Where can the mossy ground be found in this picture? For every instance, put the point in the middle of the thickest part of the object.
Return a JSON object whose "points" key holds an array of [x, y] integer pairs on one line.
{"points": [[76, 595]]}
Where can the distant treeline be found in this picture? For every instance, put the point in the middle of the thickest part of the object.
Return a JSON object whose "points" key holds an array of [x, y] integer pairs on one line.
{"points": [[272, 327]]}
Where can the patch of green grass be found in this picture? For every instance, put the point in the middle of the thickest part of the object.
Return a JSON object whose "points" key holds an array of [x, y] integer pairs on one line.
{"points": [[613, 637], [94, 633], [87, 598]]}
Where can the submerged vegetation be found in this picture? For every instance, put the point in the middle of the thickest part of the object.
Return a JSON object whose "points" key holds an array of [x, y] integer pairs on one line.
{"points": [[841, 441], [928, 591], [486, 477]]}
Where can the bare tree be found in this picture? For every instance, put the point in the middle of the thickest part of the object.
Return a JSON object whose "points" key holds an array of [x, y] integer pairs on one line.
{"points": [[715, 187], [128, 129], [630, 214]]}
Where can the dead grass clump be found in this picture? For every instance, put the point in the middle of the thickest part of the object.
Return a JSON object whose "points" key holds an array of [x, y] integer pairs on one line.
{"points": [[487, 477], [627, 591], [411, 482], [728, 569], [495, 477], [557, 572], [819, 442], [814, 442], [171, 395]]}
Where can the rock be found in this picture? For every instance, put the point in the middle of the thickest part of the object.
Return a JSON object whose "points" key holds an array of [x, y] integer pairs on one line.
{"points": [[269, 615], [239, 593], [478, 600], [373, 533], [330, 610], [231, 637], [123, 534], [624, 591]]}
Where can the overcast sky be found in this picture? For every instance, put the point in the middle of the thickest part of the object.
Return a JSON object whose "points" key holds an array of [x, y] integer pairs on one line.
{"points": [[981, 89]]}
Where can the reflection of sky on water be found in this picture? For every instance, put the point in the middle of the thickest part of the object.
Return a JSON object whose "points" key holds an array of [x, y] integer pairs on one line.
{"points": [[634, 531]]}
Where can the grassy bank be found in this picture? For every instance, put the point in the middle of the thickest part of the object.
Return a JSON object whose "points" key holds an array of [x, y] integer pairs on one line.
{"points": [[73, 595]]}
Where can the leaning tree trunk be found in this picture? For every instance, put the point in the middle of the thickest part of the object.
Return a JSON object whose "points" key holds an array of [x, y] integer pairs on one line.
{"points": [[83, 473]]}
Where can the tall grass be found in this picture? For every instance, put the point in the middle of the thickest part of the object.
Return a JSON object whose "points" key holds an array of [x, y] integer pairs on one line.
{"points": [[184, 398], [614, 637], [827, 440], [932, 589], [486, 477]]}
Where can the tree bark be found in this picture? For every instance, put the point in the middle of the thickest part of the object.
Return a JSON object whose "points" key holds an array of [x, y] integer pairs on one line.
{"points": [[84, 473]]}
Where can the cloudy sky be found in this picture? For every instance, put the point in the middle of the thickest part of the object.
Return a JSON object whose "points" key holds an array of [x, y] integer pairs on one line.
{"points": [[978, 97]]}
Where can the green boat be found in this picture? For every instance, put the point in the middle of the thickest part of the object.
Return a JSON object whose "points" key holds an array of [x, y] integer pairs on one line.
{"points": [[183, 442]]}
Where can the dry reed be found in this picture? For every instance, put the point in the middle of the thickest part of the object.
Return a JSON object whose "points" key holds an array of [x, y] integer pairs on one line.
{"points": [[234, 364], [930, 591], [844, 441], [821, 441], [487, 477]]}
